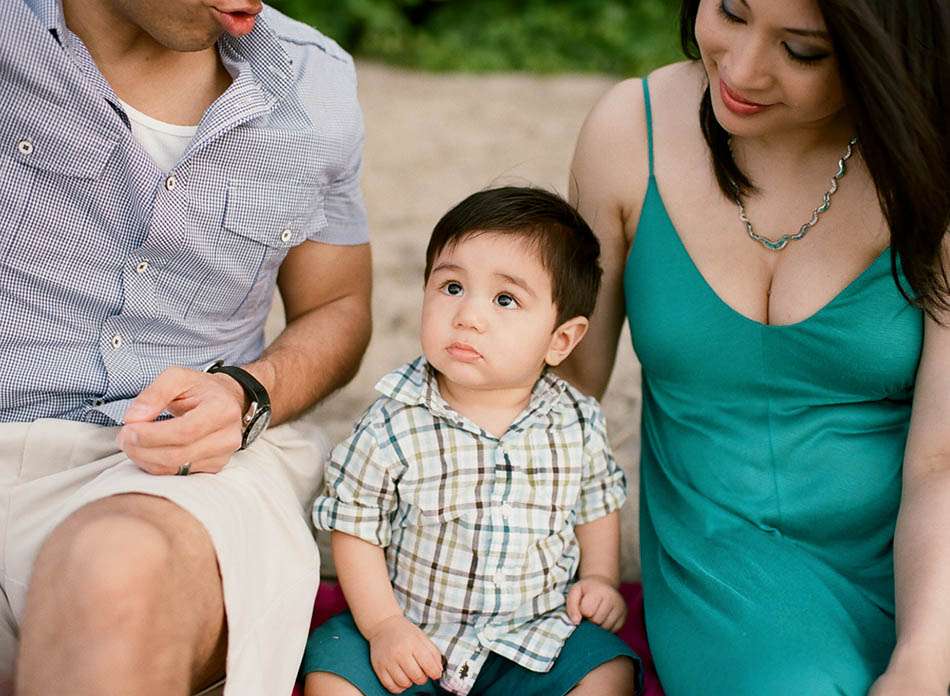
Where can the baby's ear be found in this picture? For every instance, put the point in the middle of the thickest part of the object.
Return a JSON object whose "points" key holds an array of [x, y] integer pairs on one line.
{"points": [[564, 338]]}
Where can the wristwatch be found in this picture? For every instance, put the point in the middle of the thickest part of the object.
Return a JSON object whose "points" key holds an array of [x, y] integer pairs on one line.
{"points": [[257, 417]]}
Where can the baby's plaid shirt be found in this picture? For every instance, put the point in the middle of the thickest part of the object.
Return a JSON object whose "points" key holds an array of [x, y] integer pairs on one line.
{"points": [[478, 530]]}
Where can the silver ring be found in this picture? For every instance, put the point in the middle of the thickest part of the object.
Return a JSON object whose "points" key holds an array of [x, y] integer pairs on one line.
{"points": [[184, 470]]}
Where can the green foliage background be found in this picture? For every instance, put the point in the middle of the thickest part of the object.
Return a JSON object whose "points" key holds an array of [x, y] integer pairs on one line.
{"points": [[627, 37]]}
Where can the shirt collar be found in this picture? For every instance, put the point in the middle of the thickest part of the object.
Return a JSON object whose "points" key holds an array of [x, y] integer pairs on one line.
{"points": [[261, 49], [50, 15], [415, 384], [265, 54]]}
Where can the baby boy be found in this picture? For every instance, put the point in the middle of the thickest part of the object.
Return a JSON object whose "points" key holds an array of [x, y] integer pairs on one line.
{"points": [[474, 509]]}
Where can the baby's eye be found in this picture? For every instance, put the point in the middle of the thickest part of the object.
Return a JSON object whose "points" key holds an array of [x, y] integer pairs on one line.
{"points": [[452, 288], [507, 301]]}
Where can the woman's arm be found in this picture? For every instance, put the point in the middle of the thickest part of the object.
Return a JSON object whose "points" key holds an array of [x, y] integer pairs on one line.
{"points": [[608, 180], [920, 663]]}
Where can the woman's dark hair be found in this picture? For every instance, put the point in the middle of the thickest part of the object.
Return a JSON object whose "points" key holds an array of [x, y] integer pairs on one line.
{"points": [[566, 246], [894, 58]]}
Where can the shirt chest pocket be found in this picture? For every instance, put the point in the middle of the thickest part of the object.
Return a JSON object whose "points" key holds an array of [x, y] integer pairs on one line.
{"points": [[438, 495], [242, 253], [51, 174]]}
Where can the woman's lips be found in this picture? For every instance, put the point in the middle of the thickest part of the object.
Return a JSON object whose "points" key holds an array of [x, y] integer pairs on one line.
{"points": [[463, 352], [235, 23], [737, 104]]}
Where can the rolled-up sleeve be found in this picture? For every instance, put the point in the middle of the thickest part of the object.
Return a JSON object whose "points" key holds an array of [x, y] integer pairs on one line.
{"points": [[604, 486], [359, 494]]}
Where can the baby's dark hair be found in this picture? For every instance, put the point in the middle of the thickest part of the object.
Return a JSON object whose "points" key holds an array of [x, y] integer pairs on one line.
{"points": [[567, 247]]}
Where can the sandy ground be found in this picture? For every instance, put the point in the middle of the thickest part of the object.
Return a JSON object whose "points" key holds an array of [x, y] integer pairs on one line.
{"points": [[432, 140]]}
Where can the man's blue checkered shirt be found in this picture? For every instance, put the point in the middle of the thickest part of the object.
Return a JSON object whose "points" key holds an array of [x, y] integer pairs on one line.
{"points": [[112, 270]]}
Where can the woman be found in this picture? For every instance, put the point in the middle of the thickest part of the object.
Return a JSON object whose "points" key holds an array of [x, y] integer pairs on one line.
{"points": [[794, 399]]}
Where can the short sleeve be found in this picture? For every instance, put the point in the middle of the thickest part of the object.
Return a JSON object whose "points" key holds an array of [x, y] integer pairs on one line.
{"points": [[359, 492], [343, 204], [604, 487]]}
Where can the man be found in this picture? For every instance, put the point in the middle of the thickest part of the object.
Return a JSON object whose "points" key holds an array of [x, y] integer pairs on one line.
{"points": [[163, 164]]}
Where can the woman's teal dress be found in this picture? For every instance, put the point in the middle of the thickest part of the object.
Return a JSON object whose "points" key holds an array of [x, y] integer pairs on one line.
{"points": [[770, 476]]}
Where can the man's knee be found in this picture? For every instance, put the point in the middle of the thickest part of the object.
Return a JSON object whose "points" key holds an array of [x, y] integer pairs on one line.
{"points": [[117, 558], [107, 567]]}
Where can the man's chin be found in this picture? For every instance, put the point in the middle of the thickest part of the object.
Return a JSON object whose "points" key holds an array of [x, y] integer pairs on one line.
{"points": [[189, 41]]}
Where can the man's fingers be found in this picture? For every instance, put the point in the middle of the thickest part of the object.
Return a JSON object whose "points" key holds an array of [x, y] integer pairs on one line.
{"points": [[155, 397], [209, 466], [574, 604], [204, 420], [203, 455]]}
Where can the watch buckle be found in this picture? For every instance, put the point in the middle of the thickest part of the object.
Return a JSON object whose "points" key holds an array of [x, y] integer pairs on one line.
{"points": [[251, 412]]}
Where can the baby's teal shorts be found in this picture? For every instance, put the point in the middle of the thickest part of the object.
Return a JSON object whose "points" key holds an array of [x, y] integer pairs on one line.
{"points": [[338, 647]]}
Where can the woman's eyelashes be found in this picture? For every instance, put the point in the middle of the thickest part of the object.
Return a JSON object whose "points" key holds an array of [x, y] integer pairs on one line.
{"points": [[802, 58], [728, 15], [805, 58]]}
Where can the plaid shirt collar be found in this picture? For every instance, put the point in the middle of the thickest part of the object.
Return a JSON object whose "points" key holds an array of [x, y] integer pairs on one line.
{"points": [[260, 49], [415, 384]]}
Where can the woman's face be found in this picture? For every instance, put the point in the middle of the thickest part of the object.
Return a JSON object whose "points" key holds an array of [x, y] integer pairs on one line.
{"points": [[770, 63]]}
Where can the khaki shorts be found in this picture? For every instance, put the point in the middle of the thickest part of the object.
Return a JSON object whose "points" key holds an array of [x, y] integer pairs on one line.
{"points": [[51, 468]]}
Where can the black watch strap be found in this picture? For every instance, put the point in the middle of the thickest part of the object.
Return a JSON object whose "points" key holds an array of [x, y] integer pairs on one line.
{"points": [[258, 413]]}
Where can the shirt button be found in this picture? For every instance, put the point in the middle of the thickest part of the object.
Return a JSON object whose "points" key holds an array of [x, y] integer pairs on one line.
{"points": [[25, 147], [286, 235], [171, 183], [141, 267], [499, 578], [506, 511], [117, 341]]}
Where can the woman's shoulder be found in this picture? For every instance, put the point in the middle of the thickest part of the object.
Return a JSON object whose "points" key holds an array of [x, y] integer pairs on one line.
{"points": [[611, 162], [623, 105]]}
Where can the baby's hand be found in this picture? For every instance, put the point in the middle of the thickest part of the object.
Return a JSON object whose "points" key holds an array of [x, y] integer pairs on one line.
{"points": [[596, 599], [402, 655]]}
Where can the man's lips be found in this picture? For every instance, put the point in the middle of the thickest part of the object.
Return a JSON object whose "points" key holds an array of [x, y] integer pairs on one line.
{"points": [[463, 351], [737, 104], [237, 22]]}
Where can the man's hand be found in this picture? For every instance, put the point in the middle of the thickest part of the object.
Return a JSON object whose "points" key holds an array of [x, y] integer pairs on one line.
{"points": [[402, 655], [596, 599], [205, 431]]}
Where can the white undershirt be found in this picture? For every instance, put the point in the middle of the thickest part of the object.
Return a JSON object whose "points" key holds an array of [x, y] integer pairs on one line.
{"points": [[165, 142]]}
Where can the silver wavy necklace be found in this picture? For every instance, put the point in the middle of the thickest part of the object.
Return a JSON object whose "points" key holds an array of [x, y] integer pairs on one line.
{"points": [[782, 242]]}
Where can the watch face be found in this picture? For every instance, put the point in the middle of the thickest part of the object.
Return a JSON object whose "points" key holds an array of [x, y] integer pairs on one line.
{"points": [[256, 426]]}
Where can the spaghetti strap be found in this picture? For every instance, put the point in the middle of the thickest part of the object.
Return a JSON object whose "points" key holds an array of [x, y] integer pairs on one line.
{"points": [[649, 113]]}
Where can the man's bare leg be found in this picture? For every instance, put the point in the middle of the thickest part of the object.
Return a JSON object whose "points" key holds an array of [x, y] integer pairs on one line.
{"points": [[125, 598]]}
